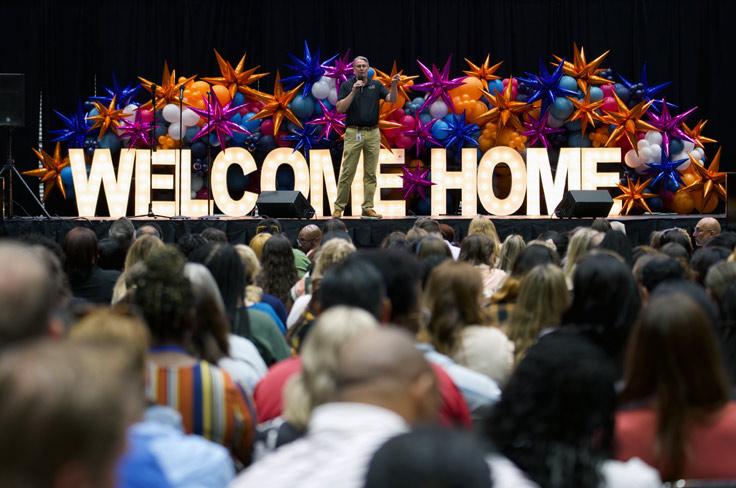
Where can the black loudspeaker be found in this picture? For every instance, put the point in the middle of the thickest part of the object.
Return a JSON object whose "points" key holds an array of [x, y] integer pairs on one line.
{"points": [[284, 204], [584, 203], [12, 99]]}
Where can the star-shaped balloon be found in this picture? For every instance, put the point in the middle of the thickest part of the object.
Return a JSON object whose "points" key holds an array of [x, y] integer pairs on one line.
{"points": [[308, 70], [627, 121], [331, 121], [405, 82], [217, 119], [237, 78], [537, 130], [340, 70], [422, 133], [695, 133], [438, 84], [108, 117], [586, 73], [647, 92], [505, 109], [484, 72], [385, 123], [633, 195], [305, 137], [277, 105], [711, 177], [138, 131], [666, 173], [168, 91], [50, 174], [585, 111], [546, 86], [124, 95], [75, 128], [415, 181], [460, 133], [669, 126]]}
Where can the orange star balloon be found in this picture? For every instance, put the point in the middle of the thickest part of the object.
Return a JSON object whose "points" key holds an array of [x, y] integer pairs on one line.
{"points": [[384, 123], [627, 121], [404, 80], [504, 109], [695, 133], [236, 79], [277, 105], [168, 91], [585, 111], [585, 72], [633, 195], [711, 178], [484, 72], [108, 117], [50, 174]]}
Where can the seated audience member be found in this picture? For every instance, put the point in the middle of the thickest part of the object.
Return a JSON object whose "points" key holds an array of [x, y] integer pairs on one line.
{"points": [[483, 225], [114, 247], [140, 249], [617, 242], [432, 227], [543, 298], [396, 240], [278, 273], [309, 240], [151, 228], [601, 225], [254, 296], [681, 419], [63, 417], [159, 453], [510, 250], [189, 242], [383, 385], [429, 457], [432, 245], [28, 296], [210, 402], [581, 242], [725, 239], [213, 234], [660, 269], [334, 225], [88, 282], [273, 226], [719, 277], [257, 243], [560, 240], [478, 250], [705, 257], [678, 236], [555, 419], [453, 298], [706, 228]]}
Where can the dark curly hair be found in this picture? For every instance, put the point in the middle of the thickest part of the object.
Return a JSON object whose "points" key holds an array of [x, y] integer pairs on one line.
{"points": [[278, 273], [555, 419]]}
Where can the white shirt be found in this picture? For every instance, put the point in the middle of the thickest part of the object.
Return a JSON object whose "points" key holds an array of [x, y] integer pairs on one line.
{"points": [[340, 442], [244, 364]]}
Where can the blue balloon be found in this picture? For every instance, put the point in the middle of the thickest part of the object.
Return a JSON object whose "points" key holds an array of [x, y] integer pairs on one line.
{"points": [[656, 203], [440, 130], [239, 138], [92, 113], [303, 107], [495, 86], [371, 73], [595, 94], [568, 83], [317, 110], [574, 125], [236, 180], [190, 133], [109, 141], [199, 150], [237, 119], [577, 139], [409, 109], [425, 118], [676, 146], [622, 92], [68, 181], [249, 123], [266, 143], [562, 108], [285, 178], [214, 141], [161, 130], [418, 101], [238, 99]]}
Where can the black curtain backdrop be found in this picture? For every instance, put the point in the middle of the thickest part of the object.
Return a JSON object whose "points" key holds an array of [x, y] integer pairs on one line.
{"points": [[67, 48]]}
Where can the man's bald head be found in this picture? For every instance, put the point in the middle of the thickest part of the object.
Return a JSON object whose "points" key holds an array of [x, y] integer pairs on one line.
{"points": [[706, 228], [383, 367], [310, 236]]}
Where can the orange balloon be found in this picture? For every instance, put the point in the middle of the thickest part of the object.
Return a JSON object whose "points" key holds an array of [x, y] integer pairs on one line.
{"points": [[471, 89], [222, 94], [710, 204], [682, 202], [688, 178], [201, 86]]}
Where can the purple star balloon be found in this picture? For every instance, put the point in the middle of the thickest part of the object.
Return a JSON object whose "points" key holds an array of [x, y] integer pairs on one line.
{"points": [[308, 70], [422, 133], [217, 119], [669, 126], [537, 130], [340, 69], [331, 120], [438, 84], [138, 131], [414, 182]]}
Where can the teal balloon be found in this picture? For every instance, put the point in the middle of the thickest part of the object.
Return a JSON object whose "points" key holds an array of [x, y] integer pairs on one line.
{"points": [[623, 93], [575, 125], [239, 138], [249, 123], [577, 139], [562, 108], [568, 83], [190, 133], [495, 86], [238, 99], [68, 182], [425, 118], [676, 146], [109, 141], [595, 94], [440, 130], [303, 107]]}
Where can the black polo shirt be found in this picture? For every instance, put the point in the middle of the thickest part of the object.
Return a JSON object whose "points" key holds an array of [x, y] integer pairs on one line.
{"points": [[363, 111]]}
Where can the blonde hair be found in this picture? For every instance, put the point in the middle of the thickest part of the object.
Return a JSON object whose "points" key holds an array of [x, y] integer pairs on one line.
{"points": [[580, 243], [250, 261], [484, 225], [258, 242], [510, 250], [141, 248], [331, 253], [542, 299], [315, 384]]}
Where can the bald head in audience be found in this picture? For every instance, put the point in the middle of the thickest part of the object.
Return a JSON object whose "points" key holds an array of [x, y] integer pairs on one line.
{"points": [[706, 228], [309, 238]]}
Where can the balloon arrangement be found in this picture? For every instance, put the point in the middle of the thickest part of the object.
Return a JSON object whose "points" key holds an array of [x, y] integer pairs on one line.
{"points": [[564, 104]]}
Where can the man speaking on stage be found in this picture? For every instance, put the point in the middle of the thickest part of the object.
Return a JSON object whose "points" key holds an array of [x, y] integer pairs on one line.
{"points": [[358, 98]]}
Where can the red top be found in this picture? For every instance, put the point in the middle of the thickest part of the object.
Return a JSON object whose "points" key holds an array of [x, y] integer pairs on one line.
{"points": [[268, 394], [711, 445]]}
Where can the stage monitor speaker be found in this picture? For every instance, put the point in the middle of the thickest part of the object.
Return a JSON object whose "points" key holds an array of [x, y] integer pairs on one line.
{"points": [[585, 203], [284, 204], [12, 99]]}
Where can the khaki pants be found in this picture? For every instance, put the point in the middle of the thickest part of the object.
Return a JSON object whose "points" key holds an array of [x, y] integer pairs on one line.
{"points": [[357, 140]]}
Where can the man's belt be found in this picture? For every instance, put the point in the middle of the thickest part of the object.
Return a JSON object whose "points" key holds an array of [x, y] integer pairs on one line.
{"points": [[363, 127]]}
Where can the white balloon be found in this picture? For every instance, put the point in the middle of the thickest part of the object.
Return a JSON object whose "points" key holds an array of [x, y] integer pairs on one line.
{"points": [[328, 80], [687, 146], [438, 109], [654, 153], [129, 112], [643, 143], [197, 183], [698, 153], [189, 117], [333, 96], [175, 131], [654, 137], [171, 113], [684, 165], [632, 160], [641, 169], [321, 90]]}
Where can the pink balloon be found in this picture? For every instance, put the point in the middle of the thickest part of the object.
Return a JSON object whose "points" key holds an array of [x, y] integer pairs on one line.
{"points": [[610, 104], [404, 142], [607, 89], [146, 115], [392, 132], [408, 122], [282, 140], [267, 127], [398, 115]]}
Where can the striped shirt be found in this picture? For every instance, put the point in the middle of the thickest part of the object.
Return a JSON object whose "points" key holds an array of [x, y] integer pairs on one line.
{"points": [[210, 402]]}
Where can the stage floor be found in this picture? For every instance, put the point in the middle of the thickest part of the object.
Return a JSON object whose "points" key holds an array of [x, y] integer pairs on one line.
{"points": [[365, 233]]}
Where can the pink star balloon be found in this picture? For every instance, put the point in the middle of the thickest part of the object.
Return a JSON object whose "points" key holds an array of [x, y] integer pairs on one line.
{"points": [[340, 69], [138, 131], [217, 119], [438, 84], [422, 133], [331, 120], [415, 181], [669, 126]]}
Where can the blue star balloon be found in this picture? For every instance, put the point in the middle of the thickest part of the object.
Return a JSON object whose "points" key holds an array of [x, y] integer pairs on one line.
{"points": [[308, 70], [644, 91], [305, 137], [75, 128], [545, 86], [459, 133], [665, 173], [124, 95]]}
